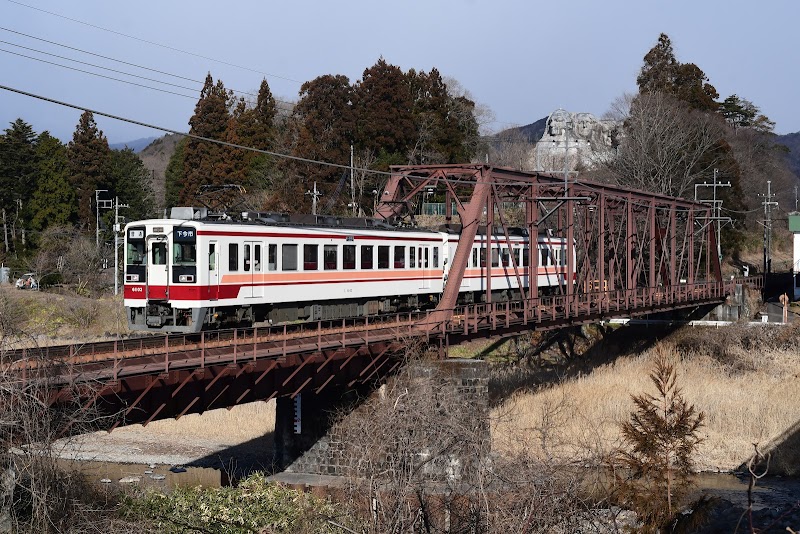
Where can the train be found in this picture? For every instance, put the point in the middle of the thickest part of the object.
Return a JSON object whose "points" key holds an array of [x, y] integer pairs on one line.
{"points": [[197, 271]]}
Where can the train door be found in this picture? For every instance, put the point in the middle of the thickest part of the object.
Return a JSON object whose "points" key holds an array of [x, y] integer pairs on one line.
{"points": [[157, 268], [256, 268], [213, 271], [424, 258]]}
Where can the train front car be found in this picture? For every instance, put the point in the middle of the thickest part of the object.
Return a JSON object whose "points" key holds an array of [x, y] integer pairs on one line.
{"points": [[162, 283]]}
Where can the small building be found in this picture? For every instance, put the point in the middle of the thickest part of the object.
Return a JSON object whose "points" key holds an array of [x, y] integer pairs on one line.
{"points": [[794, 227]]}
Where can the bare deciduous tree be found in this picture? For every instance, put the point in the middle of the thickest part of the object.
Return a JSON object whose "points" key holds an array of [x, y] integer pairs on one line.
{"points": [[666, 146], [421, 462]]}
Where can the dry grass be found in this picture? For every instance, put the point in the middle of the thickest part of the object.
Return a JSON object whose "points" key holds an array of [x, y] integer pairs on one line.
{"points": [[238, 425], [745, 380]]}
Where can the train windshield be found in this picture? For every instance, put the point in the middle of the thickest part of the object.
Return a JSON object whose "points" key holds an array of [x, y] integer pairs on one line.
{"points": [[184, 254], [135, 254]]}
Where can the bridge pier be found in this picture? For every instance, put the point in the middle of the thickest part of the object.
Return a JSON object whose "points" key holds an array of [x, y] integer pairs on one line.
{"points": [[301, 421], [450, 388]]}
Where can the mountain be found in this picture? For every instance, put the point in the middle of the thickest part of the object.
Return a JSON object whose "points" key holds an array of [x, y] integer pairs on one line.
{"points": [[792, 142], [155, 157], [137, 145], [530, 132]]}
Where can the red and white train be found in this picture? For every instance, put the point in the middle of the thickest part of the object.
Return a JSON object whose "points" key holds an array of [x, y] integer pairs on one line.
{"points": [[190, 272]]}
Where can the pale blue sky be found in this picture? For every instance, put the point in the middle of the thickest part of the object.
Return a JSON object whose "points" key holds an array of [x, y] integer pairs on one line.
{"points": [[522, 59]]}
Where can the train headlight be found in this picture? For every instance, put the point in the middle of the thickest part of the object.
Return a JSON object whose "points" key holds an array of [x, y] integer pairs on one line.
{"points": [[131, 277], [186, 278]]}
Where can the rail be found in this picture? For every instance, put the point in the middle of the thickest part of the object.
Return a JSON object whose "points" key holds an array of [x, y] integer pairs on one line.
{"points": [[111, 360]]}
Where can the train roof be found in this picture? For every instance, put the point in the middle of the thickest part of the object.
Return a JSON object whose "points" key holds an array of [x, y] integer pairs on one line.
{"points": [[180, 215]]}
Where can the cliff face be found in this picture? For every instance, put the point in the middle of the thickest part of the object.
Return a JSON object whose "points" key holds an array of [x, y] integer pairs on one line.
{"points": [[156, 157]]}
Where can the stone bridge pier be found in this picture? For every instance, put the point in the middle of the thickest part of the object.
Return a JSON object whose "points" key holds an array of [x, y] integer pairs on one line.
{"points": [[457, 383]]}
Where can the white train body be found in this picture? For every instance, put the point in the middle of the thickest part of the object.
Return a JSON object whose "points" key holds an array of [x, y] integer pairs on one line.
{"points": [[188, 275]]}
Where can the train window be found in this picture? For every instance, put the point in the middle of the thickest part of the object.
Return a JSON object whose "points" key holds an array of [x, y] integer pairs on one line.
{"points": [[545, 257], [159, 253], [289, 257], [212, 256], [310, 257], [233, 257], [184, 254], [247, 257], [505, 257], [426, 252], [399, 257], [383, 257], [257, 258], [367, 256], [483, 257], [495, 257], [526, 252], [329, 257], [474, 262], [412, 257], [135, 254], [435, 257], [348, 256], [272, 257]]}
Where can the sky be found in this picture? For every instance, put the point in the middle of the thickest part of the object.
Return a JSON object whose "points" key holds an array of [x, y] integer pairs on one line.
{"points": [[521, 59]]}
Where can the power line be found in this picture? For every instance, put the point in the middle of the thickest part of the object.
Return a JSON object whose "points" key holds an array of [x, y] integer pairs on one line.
{"points": [[96, 74], [167, 47], [289, 105], [190, 135], [99, 66]]}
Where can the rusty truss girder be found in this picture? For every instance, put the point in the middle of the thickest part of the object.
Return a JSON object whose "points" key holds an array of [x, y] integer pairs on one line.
{"points": [[625, 240]]}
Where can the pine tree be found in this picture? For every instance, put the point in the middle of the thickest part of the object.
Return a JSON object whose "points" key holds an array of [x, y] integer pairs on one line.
{"points": [[204, 161], [88, 156], [663, 435], [54, 202]]}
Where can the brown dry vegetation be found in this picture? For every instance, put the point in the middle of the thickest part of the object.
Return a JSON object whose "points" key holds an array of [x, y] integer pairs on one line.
{"points": [[744, 378]]}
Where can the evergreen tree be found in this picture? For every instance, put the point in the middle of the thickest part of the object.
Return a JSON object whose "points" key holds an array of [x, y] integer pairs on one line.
{"points": [[383, 105], [17, 178], [88, 156], [741, 113], [322, 127], [663, 434], [256, 128], [131, 184], [660, 66], [174, 175], [54, 202], [203, 161], [661, 72]]}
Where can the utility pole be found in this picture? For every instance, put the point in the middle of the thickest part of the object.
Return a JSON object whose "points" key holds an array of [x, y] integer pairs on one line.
{"points": [[117, 206], [352, 183], [105, 204], [768, 204], [315, 194], [716, 208]]}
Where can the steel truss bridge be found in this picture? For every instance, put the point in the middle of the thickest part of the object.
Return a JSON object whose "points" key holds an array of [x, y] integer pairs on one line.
{"points": [[637, 253]]}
